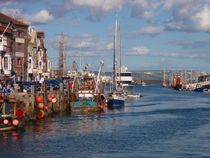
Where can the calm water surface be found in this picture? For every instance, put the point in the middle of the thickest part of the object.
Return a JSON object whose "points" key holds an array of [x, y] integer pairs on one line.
{"points": [[164, 123]]}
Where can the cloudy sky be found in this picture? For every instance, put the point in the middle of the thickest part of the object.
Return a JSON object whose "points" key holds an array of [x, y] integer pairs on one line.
{"points": [[154, 33]]}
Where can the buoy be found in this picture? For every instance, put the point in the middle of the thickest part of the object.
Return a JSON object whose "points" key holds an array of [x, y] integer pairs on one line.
{"points": [[5, 122], [54, 100], [40, 114], [46, 108], [39, 99], [40, 105], [19, 113], [50, 98], [15, 122]]}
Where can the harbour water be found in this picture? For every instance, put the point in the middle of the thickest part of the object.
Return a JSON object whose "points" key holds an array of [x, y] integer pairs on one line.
{"points": [[164, 123]]}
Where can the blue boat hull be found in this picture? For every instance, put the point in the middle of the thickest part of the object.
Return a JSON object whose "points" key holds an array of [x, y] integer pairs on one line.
{"points": [[199, 89], [115, 103]]}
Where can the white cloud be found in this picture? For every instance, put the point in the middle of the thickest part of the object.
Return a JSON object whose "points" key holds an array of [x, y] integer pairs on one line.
{"points": [[102, 5], [99, 8], [152, 30], [203, 19], [143, 8], [190, 16], [41, 17], [168, 4], [149, 30], [85, 44], [148, 15], [96, 8], [139, 51], [181, 54], [183, 15], [16, 13]]}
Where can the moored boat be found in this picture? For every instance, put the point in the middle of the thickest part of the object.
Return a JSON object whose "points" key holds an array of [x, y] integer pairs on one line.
{"points": [[10, 122], [11, 118], [124, 77], [116, 98], [87, 93]]}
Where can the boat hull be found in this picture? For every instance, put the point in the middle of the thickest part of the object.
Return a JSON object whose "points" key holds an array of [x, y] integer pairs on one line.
{"points": [[86, 106], [201, 89], [9, 126], [115, 103]]}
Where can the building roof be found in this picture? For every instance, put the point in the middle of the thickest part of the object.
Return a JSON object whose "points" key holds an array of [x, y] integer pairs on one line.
{"points": [[6, 19]]}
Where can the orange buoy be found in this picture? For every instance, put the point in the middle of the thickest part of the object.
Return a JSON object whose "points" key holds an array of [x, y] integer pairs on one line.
{"points": [[15, 122], [5, 122], [40, 114], [40, 105], [39, 99]]}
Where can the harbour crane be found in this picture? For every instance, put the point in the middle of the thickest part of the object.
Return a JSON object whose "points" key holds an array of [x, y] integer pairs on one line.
{"points": [[98, 77]]}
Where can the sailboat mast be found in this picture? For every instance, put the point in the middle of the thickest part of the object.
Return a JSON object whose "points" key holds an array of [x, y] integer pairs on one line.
{"points": [[114, 64], [116, 55], [119, 48]]}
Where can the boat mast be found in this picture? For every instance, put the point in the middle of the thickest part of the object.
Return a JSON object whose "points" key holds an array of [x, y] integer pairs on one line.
{"points": [[116, 55], [119, 48]]}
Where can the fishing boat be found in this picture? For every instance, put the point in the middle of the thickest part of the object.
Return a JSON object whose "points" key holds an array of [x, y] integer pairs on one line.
{"points": [[87, 92], [177, 82], [116, 98]]}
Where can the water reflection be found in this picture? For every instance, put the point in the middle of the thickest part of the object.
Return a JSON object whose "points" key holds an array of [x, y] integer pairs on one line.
{"points": [[14, 136], [11, 143]]}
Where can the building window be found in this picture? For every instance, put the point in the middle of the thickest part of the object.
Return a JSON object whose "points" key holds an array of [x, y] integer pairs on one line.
{"points": [[6, 64], [29, 64], [40, 64], [19, 34], [18, 61]]}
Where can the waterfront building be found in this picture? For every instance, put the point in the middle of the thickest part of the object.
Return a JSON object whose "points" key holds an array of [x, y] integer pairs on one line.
{"points": [[5, 51], [32, 54], [14, 58], [42, 60], [22, 50]]}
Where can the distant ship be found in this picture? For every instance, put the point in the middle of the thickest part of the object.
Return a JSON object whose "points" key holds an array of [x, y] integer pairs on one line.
{"points": [[124, 77]]}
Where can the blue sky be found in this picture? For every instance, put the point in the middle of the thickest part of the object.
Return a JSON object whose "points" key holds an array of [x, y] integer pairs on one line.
{"points": [[154, 33]]}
